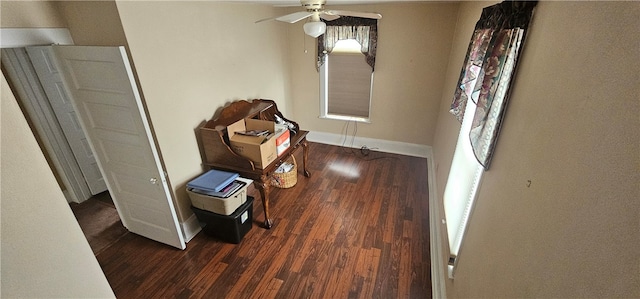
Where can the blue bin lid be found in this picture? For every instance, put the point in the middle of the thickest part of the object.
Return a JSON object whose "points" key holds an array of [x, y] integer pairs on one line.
{"points": [[213, 180]]}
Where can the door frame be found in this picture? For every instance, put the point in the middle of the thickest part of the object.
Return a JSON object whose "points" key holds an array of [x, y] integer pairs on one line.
{"points": [[36, 105]]}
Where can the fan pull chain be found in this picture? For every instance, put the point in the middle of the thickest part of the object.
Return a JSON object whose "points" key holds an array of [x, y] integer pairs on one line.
{"points": [[304, 43]]}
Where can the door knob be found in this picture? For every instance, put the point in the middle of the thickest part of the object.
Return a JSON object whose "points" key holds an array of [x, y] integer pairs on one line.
{"points": [[153, 181]]}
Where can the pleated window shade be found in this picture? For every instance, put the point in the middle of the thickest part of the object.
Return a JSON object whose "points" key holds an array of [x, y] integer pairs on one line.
{"points": [[349, 85]]}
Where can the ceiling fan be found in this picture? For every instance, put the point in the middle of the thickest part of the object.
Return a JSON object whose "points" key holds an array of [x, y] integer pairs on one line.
{"points": [[314, 9]]}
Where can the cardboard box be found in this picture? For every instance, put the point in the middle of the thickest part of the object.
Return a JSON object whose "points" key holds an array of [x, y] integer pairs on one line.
{"points": [[259, 149], [283, 139]]}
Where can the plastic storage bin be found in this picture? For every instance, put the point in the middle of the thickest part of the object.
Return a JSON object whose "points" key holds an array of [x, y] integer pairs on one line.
{"points": [[229, 228], [219, 205]]}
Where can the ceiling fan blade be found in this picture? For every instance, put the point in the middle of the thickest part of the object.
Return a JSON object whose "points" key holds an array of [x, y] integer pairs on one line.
{"points": [[360, 14], [267, 19], [328, 17], [290, 18], [294, 17]]}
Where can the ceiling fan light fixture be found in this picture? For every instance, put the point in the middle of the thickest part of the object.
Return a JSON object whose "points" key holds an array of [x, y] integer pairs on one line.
{"points": [[315, 28]]}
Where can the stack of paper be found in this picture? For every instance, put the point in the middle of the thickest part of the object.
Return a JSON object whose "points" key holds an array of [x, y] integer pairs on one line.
{"points": [[254, 133], [213, 181], [225, 192]]}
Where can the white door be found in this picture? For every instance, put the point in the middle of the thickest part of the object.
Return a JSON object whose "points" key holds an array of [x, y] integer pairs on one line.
{"points": [[102, 87], [51, 81]]}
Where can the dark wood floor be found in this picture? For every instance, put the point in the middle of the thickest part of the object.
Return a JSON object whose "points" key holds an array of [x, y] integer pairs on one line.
{"points": [[358, 228], [99, 221]]}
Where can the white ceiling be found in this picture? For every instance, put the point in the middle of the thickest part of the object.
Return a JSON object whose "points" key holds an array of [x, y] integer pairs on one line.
{"points": [[329, 2]]}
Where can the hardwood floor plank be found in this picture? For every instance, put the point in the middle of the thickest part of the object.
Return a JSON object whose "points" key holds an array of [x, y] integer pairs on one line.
{"points": [[269, 279], [391, 218], [271, 290], [367, 267], [259, 264], [357, 228], [356, 287], [205, 279], [405, 270], [339, 280], [305, 220]]}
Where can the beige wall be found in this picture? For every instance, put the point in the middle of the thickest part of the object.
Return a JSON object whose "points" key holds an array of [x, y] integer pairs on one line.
{"points": [[44, 253], [413, 50], [93, 23], [194, 57], [571, 126], [30, 14], [572, 129]]}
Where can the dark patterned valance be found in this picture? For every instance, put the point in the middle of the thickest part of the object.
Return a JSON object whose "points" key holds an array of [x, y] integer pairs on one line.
{"points": [[488, 70], [363, 30], [507, 15]]}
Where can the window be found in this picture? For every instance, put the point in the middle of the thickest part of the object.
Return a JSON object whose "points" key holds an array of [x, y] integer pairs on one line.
{"points": [[479, 103], [461, 189], [346, 62], [346, 83]]}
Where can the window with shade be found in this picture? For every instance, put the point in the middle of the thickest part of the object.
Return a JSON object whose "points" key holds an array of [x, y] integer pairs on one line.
{"points": [[479, 103], [346, 83], [346, 62]]}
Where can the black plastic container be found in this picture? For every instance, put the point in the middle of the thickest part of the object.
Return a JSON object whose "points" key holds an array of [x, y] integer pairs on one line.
{"points": [[231, 228]]}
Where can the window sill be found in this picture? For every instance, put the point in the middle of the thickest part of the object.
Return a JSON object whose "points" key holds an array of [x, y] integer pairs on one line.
{"points": [[347, 118]]}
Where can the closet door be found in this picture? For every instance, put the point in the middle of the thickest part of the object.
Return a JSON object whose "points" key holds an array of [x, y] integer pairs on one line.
{"points": [[51, 81]]}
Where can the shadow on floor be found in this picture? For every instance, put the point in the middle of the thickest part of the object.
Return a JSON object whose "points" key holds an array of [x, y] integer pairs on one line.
{"points": [[99, 221]]}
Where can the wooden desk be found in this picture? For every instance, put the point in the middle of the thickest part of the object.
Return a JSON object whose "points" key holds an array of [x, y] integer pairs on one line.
{"points": [[218, 154]]}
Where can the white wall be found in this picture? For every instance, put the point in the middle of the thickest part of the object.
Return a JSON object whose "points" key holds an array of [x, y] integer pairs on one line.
{"points": [[43, 251]]}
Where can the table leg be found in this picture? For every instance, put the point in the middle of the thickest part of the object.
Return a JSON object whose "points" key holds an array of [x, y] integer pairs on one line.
{"points": [[305, 156], [264, 187]]}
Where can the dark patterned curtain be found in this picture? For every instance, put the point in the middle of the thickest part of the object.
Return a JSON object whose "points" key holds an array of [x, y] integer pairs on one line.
{"points": [[363, 30], [488, 71]]}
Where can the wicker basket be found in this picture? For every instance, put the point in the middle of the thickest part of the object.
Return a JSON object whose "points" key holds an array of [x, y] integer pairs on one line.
{"points": [[286, 179]]}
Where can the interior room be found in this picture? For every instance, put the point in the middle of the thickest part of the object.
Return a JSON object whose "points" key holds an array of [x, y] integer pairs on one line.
{"points": [[555, 215]]}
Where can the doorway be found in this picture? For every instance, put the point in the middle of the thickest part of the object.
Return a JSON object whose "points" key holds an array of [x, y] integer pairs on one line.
{"points": [[94, 210], [53, 123], [46, 104], [99, 82]]}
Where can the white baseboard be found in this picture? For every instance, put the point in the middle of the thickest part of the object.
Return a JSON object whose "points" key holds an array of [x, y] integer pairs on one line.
{"points": [[190, 228], [395, 147]]}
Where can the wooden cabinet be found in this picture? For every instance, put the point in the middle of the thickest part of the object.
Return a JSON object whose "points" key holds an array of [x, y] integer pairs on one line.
{"points": [[218, 154]]}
